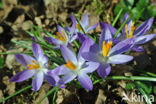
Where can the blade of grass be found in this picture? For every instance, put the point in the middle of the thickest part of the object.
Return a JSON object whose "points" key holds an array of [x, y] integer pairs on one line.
{"points": [[54, 96], [16, 93], [139, 78], [143, 92], [117, 17], [48, 93], [116, 34]]}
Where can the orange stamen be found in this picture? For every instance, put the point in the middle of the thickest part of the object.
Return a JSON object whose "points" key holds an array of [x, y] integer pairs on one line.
{"points": [[106, 48], [33, 66], [131, 32], [60, 37], [70, 65]]}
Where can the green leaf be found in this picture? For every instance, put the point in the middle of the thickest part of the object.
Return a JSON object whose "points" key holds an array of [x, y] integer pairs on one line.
{"points": [[1, 63], [154, 90], [130, 86]]}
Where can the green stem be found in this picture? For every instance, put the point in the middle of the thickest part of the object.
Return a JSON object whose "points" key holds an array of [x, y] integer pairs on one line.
{"points": [[16, 93], [117, 17], [139, 78], [116, 34], [49, 92]]}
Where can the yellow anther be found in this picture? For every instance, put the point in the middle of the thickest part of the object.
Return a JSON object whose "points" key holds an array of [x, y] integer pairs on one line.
{"points": [[70, 65], [131, 32], [60, 37], [106, 48], [78, 26], [33, 66]]}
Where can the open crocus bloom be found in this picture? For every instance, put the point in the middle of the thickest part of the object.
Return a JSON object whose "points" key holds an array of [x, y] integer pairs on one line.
{"points": [[83, 23], [61, 38], [105, 54], [129, 31], [37, 67], [77, 66]]}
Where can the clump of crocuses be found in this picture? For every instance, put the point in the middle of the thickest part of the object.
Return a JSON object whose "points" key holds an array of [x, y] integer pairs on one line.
{"points": [[89, 58]]}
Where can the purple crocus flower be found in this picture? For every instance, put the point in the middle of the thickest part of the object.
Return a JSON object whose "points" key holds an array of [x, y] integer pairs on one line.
{"points": [[138, 34], [105, 55], [62, 38], [84, 24], [37, 66], [77, 66]]}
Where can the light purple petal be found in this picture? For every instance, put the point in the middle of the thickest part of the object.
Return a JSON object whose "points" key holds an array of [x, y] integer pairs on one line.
{"points": [[50, 79], [137, 48], [74, 37], [60, 70], [38, 53], [85, 81], [89, 56], [73, 19], [144, 39], [103, 70], [24, 59], [119, 59], [85, 20], [122, 46], [23, 75], [68, 54], [92, 27], [144, 27], [38, 80], [105, 25], [67, 78], [53, 40], [90, 67]]}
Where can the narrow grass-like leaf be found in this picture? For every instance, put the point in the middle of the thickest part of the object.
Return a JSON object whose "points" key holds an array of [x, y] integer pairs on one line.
{"points": [[16, 93], [48, 93], [117, 17]]}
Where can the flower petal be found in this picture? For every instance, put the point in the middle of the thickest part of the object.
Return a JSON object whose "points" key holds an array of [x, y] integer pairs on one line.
{"points": [[68, 54], [144, 39], [137, 48], [89, 56], [92, 27], [90, 67], [53, 40], [104, 70], [24, 59], [144, 27], [23, 75], [38, 80], [60, 30], [67, 78], [50, 79], [85, 81], [38, 53], [85, 20], [122, 46], [119, 59]]}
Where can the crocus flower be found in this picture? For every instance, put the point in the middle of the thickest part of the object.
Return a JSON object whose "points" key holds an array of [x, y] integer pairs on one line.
{"points": [[129, 31], [105, 54], [84, 24], [77, 66], [36, 66], [62, 38]]}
